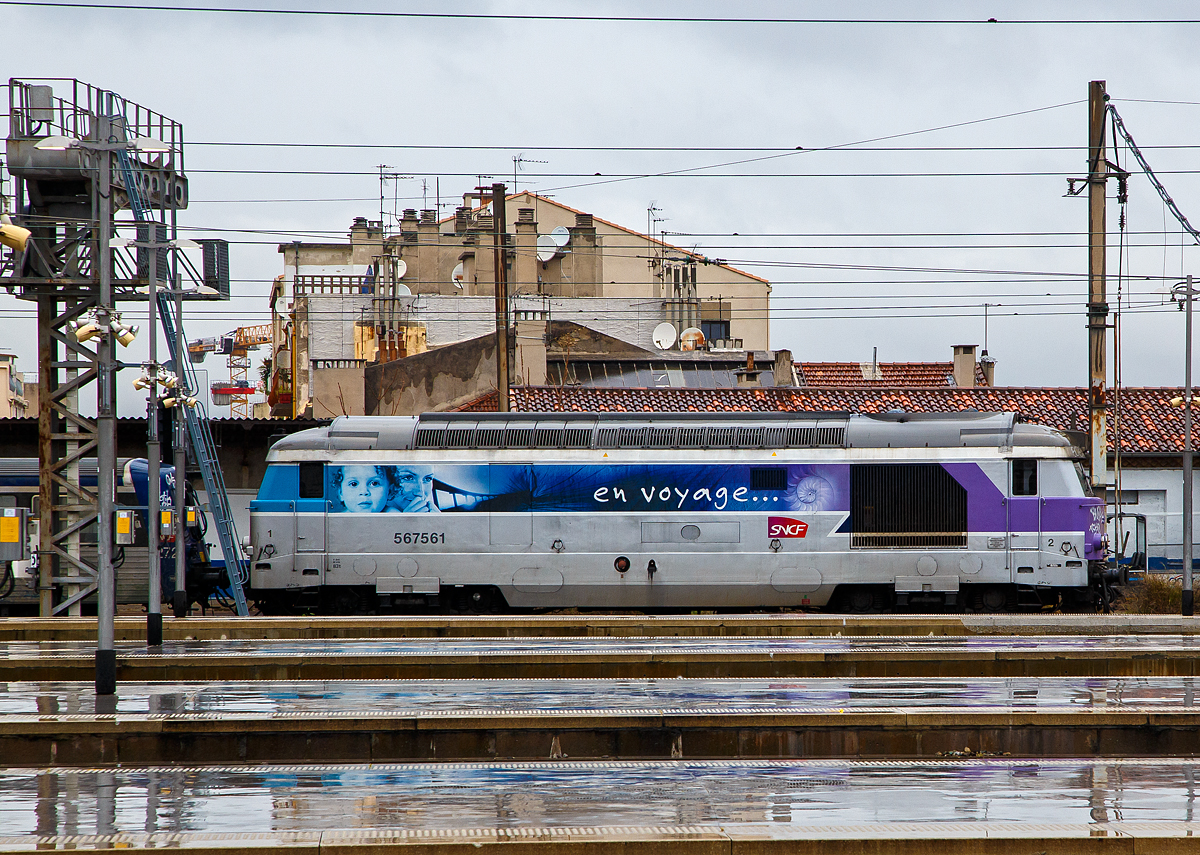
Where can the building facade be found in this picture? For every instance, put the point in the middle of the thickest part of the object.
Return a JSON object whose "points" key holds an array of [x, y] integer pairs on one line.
{"points": [[13, 401], [383, 298]]}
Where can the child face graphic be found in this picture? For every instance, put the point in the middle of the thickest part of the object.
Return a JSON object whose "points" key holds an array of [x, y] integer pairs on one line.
{"points": [[364, 489]]}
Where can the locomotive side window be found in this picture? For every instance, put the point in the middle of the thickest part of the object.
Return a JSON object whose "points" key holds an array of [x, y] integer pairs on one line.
{"points": [[769, 479], [906, 506], [1024, 478], [312, 480]]}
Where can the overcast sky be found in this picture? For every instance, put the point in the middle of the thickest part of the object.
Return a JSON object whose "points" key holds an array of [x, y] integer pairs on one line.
{"points": [[895, 244]]}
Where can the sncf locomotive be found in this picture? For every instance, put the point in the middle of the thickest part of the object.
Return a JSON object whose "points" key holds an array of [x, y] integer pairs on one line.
{"points": [[483, 512]]}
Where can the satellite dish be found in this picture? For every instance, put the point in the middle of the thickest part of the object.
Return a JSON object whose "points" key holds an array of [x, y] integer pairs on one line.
{"points": [[457, 276], [401, 268], [692, 339], [403, 290], [664, 336], [561, 236], [546, 248]]}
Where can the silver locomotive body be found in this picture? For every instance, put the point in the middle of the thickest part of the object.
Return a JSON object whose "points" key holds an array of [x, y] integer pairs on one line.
{"points": [[674, 511]]}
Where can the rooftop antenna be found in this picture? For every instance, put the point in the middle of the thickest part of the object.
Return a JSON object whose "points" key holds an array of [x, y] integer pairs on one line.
{"points": [[424, 194], [986, 306], [651, 219], [517, 160], [395, 177]]}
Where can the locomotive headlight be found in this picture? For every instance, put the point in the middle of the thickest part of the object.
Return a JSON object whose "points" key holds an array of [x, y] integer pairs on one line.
{"points": [[622, 564]]}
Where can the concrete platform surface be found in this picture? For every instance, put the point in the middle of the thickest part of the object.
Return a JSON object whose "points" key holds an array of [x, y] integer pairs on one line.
{"points": [[617, 626], [729, 807], [584, 656], [388, 721]]}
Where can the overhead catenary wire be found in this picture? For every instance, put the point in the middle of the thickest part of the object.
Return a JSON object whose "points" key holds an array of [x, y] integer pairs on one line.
{"points": [[597, 18]]}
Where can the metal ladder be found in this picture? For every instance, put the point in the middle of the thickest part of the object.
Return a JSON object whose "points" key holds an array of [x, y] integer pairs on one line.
{"points": [[196, 418]]}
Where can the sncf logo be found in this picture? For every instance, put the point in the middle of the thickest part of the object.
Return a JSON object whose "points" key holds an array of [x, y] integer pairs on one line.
{"points": [[786, 527]]}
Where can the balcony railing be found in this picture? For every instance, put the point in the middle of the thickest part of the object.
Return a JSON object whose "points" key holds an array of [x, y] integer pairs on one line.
{"points": [[333, 285]]}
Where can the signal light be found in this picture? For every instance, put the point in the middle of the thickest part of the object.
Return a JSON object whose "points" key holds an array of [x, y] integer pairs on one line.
{"points": [[125, 334], [622, 564], [13, 236], [86, 331]]}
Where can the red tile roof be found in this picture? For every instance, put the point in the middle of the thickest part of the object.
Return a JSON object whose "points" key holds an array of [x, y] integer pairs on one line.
{"points": [[891, 374], [1149, 424]]}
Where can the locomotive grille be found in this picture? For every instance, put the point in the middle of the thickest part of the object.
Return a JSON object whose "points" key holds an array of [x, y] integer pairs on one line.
{"points": [[773, 437], [834, 436], [531, 435], [801, 436], [720, 437], [749, 437], [633, 437], [577, 438], [661, 438], [430, 437], [906, 506], [488, 437], [459, 438], [518, 437]]}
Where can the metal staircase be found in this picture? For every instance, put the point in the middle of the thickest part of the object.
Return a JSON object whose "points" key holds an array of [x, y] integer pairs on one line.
{"points": [[204, 452], [196, 418]]}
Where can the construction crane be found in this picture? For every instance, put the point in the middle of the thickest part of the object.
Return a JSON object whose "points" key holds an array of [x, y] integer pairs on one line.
{"points": [[235, 346]]}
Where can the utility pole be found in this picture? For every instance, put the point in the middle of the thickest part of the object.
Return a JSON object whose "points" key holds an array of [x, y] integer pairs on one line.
{"points": [[154, 620], [1187, 604], [106, 423], [1097, 299], [179, 600], [501, 298]]}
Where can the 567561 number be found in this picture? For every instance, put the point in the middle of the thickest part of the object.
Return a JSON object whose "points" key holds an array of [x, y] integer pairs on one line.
{"points": [[411, 537]]}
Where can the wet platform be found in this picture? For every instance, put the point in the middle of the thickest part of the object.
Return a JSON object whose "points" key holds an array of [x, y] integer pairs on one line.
{"points": [[976, 806], [598, 657], [391, 720], [604, 625]]}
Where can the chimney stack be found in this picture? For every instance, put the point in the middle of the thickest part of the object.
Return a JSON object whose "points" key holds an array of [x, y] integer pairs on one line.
{"points": [[964, 365]]}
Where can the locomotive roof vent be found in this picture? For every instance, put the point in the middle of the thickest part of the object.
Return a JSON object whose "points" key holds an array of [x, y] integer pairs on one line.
{"points": [[673, 430]]}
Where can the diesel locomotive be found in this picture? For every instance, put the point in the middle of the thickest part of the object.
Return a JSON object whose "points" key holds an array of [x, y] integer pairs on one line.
{"points": [[682, 511]]}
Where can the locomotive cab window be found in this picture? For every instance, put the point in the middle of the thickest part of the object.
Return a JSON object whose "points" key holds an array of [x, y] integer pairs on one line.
{"points": [[312, 480], [769, 479], [1024, 478]]}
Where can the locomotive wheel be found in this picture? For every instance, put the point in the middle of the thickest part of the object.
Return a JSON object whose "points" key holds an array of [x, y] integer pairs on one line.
{"points": [[860, 600], [992, 599], [344, 601]]}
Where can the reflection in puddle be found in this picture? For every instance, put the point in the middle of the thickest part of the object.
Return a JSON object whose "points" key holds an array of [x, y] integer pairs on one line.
{"points": [[509, 795]]}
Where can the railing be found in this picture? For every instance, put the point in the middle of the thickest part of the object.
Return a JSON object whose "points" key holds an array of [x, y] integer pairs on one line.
{"points": [[317, 364], [329, 285]]}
